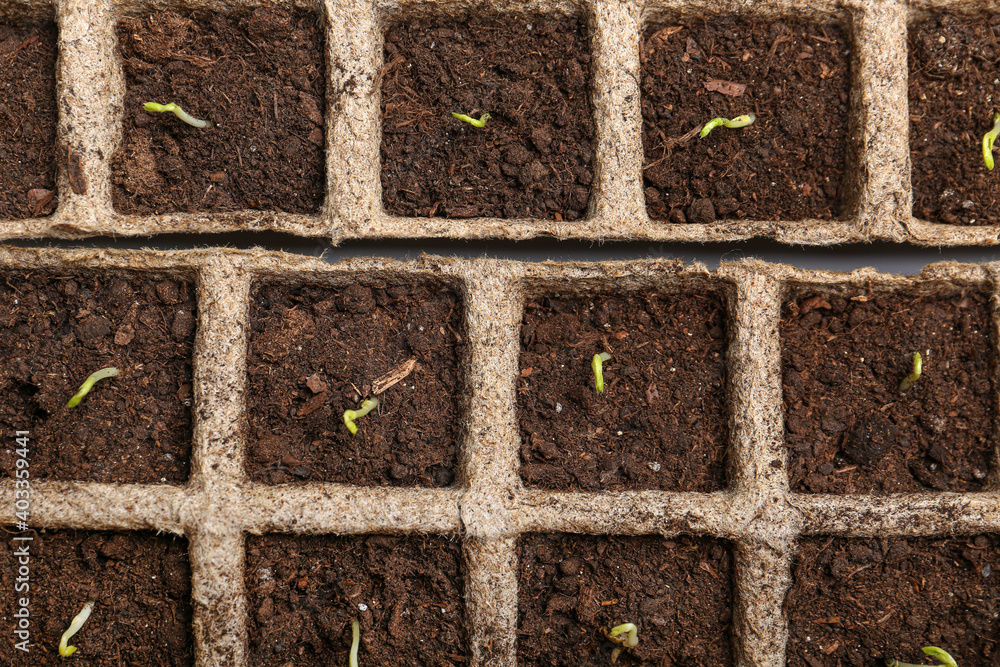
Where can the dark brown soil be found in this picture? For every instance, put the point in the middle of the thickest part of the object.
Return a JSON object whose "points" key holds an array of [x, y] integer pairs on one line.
{"points": [[571, 587], [850, 429], [533, 158], [316, 352], [855, 601], [789, 164], [141, 584], [259, 78], [55, 331], [953, 81], [27, 120], [406, 592], [661, 421]]}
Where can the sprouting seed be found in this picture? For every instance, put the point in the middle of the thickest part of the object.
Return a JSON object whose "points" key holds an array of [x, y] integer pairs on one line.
{"points": [[597, 363], [352, 660], [472, 121], [989, 139], [350, 415], [74, 627], [625, 634], [932, 651], [85, 388], [739, 121], [911, 379], [177, 111]]}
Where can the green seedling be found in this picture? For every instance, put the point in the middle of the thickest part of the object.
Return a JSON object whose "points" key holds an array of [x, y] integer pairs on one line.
{"points": [[352, 661], [350, 415], [625, 634], [911, 379], [472, 121], [932, 651], [89, 383], [739, 121], [74, 627], [597, 363], [988, 140], [177, 111]]}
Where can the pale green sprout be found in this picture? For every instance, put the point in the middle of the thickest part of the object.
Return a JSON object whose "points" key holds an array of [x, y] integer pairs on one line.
{"points": [[352, 660], [177, 111], [739, 121], [472, 121], [932, 651], [597, 363], [625, 634], [988, 140], [350, 415], [911, 379], [85, 388], [74, 627]]}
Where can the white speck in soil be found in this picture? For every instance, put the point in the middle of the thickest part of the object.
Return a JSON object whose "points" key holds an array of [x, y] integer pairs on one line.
{"points": [[558, 407], [363, 607]]}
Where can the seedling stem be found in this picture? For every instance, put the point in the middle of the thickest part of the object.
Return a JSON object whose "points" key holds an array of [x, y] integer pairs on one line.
{"points": [[472, 121], [177, 111], [933, 651], [739, 121], [988, 140], [350, 415], [109, 372], [352, 661], [625, 634], [911, 379], [74, 627], [597, 363]]}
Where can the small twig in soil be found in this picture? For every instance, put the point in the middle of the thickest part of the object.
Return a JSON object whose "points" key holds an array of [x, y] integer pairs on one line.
{"points": [[394, 376]]}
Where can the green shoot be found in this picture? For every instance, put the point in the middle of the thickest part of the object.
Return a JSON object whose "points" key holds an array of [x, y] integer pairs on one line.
{"points": [[74, 627], [911, 379], [109, 372], [351, 415], [352, 661], [472, 121], [177, 111], [597, 363], [932, 651], [625, 634], [988, 139], [739, 121]]}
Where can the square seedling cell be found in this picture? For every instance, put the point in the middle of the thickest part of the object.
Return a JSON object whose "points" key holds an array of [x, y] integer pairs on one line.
{"points": [[954, 83], [850, 428], [58, 329], [258, 78], [140, 584], [316, 351], [533, 157], [571, 588], [405, 591], [27, 120], [855, 601], [787, 165], [660, 422]]}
